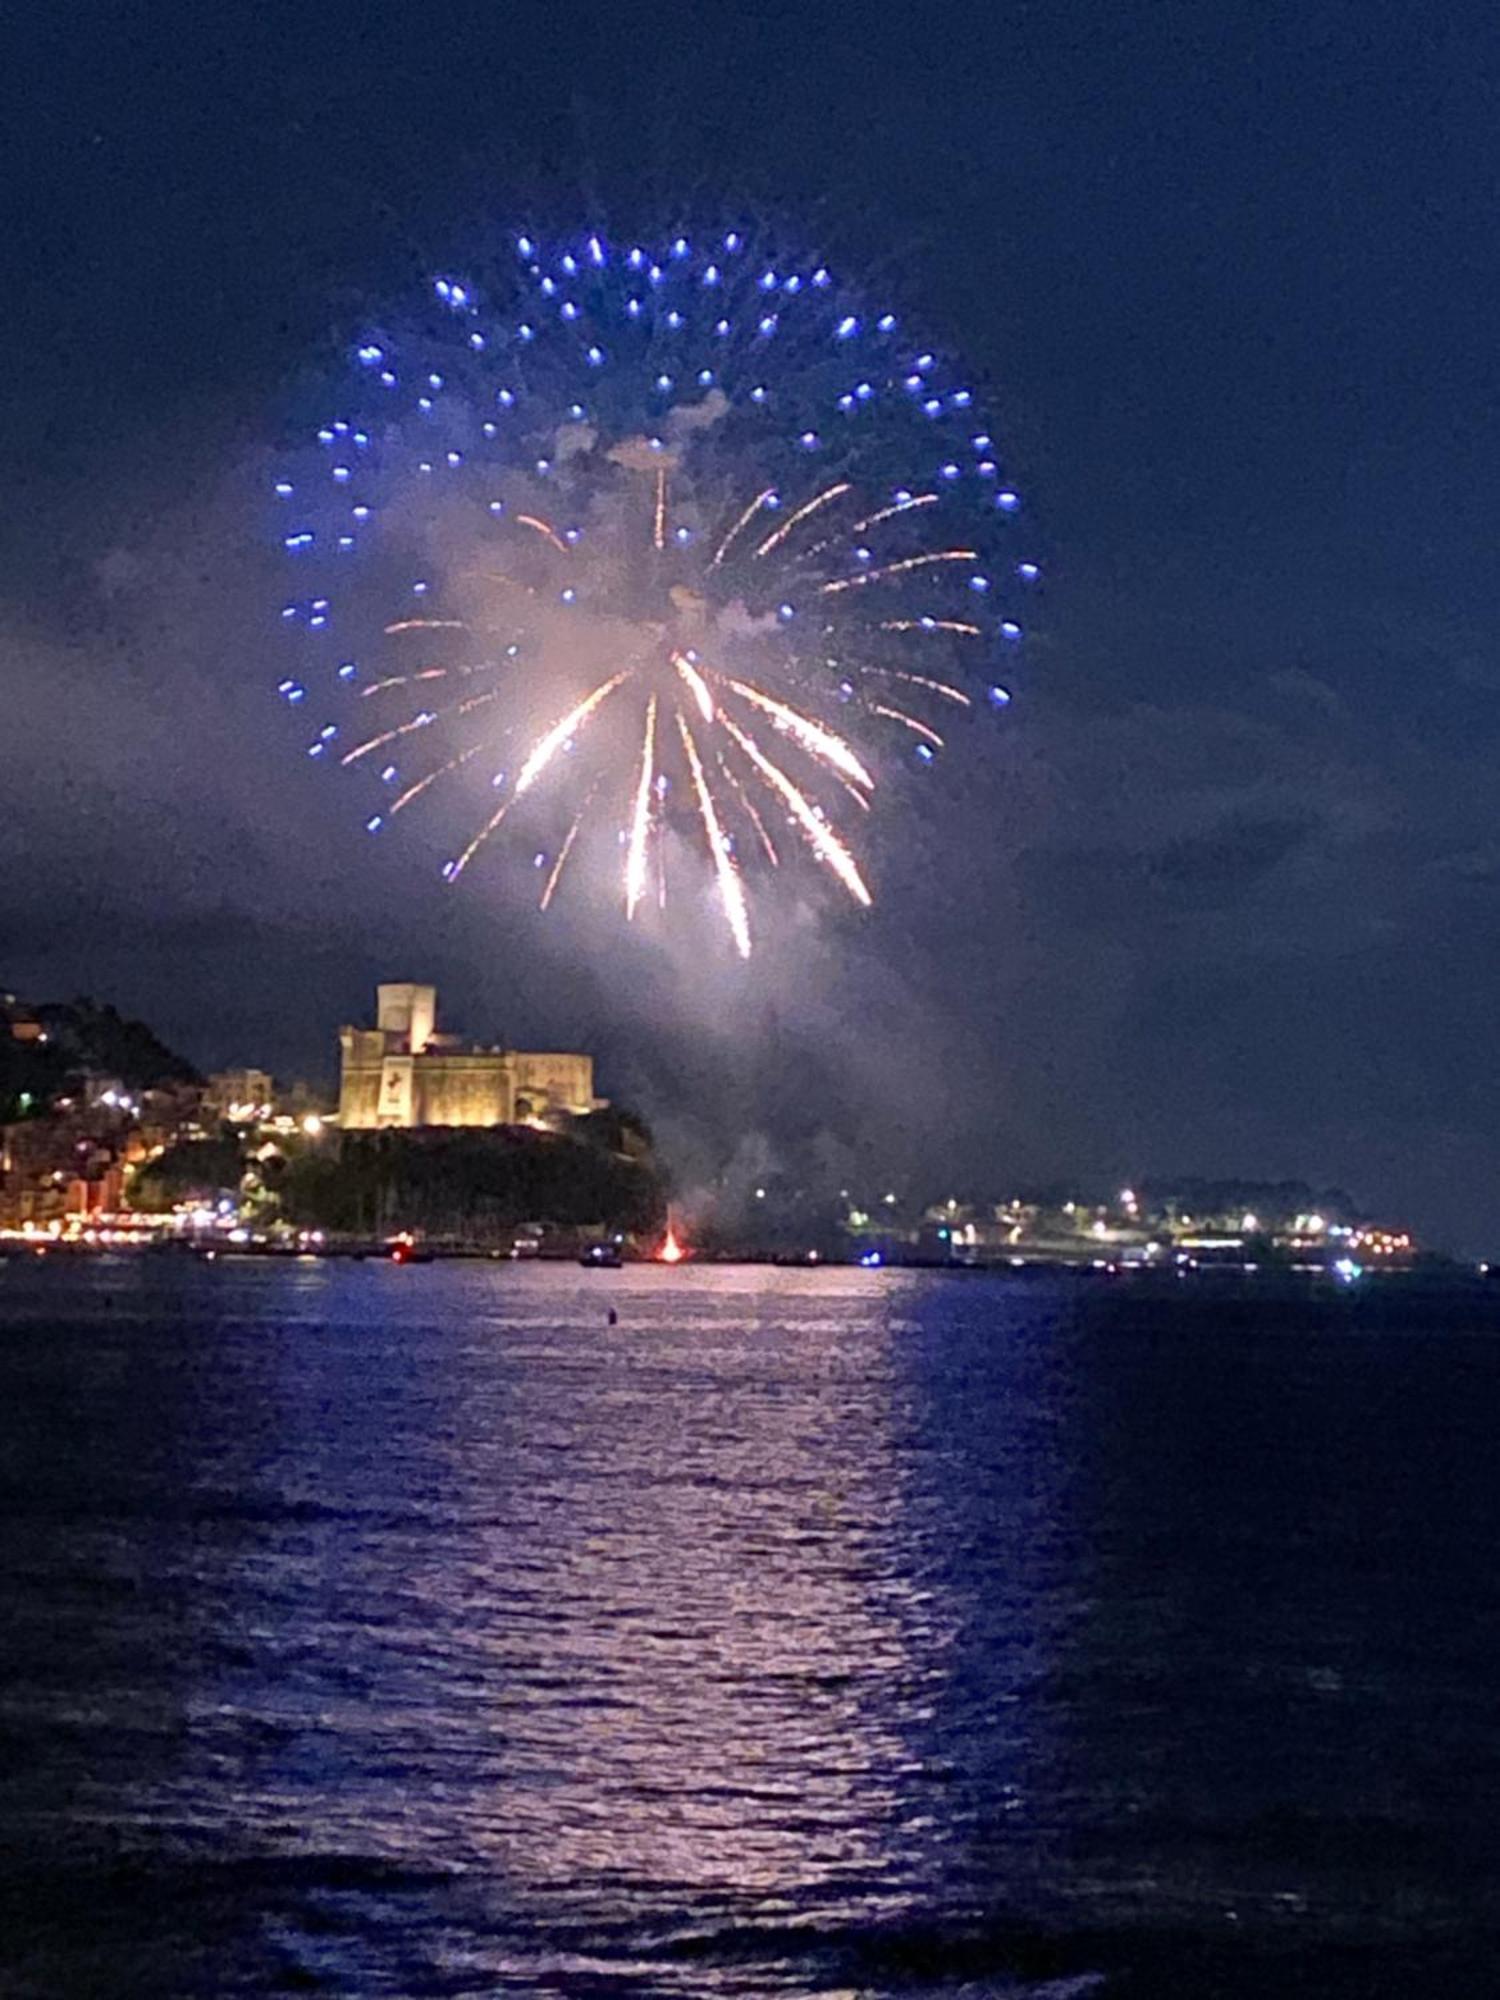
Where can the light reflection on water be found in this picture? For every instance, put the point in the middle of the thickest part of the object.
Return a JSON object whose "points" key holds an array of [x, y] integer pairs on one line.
{"points": [[408, 1631], [674, 1604]]}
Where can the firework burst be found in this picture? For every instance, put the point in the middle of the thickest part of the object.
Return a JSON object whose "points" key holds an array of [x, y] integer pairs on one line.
{"points": [[638, 551]]}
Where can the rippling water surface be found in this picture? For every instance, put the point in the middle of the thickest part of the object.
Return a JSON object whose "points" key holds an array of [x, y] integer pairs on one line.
{"points": [[380, 1631]]}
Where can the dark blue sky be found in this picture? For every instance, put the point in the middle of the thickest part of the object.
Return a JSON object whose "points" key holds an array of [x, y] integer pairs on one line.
{"points": [[1226, 897]]}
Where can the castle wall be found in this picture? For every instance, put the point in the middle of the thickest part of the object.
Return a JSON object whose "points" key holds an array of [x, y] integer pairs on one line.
{"points": [[565, 1082], [467, 1089], [403, 1074], [363, 1052]]}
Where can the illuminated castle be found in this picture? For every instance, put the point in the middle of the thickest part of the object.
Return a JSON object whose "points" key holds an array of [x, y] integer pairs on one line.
{"points": [[403, 1073]]}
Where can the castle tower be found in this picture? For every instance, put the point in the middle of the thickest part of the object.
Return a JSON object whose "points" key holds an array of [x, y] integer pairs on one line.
{"points": [[408, 1012]]}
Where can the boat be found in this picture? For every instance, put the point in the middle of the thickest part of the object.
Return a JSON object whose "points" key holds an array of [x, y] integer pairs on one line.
{"points": [[602, 1257]]}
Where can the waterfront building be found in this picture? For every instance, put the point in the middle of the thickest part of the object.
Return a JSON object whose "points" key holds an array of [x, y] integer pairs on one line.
{"points": [[403, 1073]]}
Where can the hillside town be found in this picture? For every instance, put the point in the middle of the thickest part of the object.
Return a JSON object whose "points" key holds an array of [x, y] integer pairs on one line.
{"points": [[109, 1139]]}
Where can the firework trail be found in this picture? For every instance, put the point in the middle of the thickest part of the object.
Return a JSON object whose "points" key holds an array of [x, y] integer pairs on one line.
{"points": [[645, 547]]}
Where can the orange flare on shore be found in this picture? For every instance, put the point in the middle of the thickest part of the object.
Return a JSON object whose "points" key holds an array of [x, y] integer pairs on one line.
{"points": [[671, 1251]]}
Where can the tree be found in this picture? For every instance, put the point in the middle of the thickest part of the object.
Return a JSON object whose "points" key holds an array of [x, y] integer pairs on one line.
{"points": [[479, 1184], [194, 1169]]}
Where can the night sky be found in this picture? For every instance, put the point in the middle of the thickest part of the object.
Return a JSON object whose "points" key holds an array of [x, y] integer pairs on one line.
{"points": [[1222, 895]]}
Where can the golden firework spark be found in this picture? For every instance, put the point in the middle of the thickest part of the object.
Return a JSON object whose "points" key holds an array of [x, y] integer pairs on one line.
{"points": [[731, 891], [640, 822], [697, 684], [944, 688], [822, 838], [917, 727], [902, 568], [960, 625], [415, 791], [543, 528], [558, 734], [819, 741], [762, 499], [536, 763], [778, 535], [750, 811], [545, 902]]}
